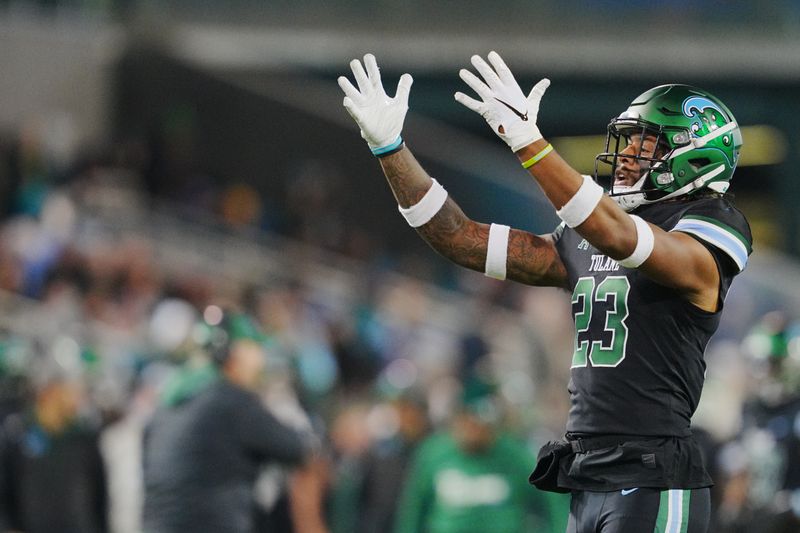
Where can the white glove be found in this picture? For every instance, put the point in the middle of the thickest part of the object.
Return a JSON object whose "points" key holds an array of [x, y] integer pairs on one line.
{"points": [[511, 115], [379, 117]]}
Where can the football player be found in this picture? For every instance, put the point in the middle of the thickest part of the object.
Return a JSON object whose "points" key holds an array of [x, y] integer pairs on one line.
{"points": [[648, 265]]}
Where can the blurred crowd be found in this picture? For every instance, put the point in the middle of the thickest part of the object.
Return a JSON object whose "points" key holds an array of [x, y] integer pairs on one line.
{"points": [[758, 470], [424, 406], [100, 330]]}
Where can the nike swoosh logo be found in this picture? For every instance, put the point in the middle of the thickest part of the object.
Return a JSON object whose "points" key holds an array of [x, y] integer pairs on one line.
{"points": [[625, 492], [515, 111]]}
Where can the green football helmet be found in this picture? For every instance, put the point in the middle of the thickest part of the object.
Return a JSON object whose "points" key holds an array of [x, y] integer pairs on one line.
{"points": [[698, 142]]}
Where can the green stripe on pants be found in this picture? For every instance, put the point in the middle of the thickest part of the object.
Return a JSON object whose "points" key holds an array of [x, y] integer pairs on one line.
{"points": [[663, 507], [687, 497], [673, 511]]}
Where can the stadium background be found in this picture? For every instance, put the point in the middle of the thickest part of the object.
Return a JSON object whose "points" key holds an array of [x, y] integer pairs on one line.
{"points": [[152, 152]]}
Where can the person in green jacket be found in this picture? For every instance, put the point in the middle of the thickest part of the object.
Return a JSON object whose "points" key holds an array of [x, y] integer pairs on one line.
{"points": [[469, 478]]}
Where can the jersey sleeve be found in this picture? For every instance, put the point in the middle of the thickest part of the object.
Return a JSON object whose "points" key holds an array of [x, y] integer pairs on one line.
{"points": [[722, 228]]}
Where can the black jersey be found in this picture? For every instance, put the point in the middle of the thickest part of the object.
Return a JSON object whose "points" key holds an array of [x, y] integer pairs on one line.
{"points": [[638, 365]]}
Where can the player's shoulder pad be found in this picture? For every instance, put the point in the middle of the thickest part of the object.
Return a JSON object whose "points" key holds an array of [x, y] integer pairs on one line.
{"points": [[719, 223]]}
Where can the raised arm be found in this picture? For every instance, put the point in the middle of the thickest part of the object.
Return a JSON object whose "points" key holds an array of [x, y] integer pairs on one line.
{"points": [[677, 260], [530, 259], [673, 259]]}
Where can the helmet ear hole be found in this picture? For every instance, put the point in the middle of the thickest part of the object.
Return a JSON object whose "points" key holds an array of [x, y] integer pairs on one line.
{"points": [[699, 163]]}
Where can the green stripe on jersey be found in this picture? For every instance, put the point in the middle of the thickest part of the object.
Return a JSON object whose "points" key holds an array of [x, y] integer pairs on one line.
{"points": [[723, 226]]}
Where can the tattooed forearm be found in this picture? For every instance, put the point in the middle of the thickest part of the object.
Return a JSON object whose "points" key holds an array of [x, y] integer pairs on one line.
{"points": [[526, 249], [456, 237], [450, 232], [531, 259], [406, 177]]}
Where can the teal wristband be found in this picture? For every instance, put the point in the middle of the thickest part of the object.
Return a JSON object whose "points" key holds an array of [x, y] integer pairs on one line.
{"points": [[389, 148]]}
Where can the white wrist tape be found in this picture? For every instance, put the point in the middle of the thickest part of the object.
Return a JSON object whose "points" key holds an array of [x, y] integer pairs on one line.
{"points": [[644, 244], [497, 251], [424, 210], [582, 203]]}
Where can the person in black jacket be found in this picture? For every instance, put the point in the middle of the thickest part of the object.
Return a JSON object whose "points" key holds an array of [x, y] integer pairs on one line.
{"points": [[203, 449], [52, 475]]}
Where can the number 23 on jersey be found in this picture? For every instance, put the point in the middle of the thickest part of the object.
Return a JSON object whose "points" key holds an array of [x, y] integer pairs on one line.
{"points": [[609, 297]]}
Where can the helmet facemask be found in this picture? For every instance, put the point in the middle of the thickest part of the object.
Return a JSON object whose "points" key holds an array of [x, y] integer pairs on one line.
{"points": [[655, 167]]}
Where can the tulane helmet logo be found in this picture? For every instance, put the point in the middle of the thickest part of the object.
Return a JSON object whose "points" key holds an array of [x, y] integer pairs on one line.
{"points": [[695, 105]]}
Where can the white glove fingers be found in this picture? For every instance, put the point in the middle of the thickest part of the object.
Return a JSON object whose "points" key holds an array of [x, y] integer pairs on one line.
{"points": [[364, 85], [354, 110], [349, 90], [538, 90], [476, 84], [503, 72], [489, 75], [373, 72], [469, 103], [403, 89], [379, 117]]}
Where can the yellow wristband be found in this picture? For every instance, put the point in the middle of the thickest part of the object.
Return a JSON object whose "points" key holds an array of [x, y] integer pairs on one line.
{"points": [[538, 157]]}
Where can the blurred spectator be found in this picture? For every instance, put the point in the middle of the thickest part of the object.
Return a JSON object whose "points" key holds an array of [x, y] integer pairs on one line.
{"points": [[468, 479], [762, 486], [241, 206], [350, 440], [14, 385], [299, 504], [300, 330], [357, 364], [385, 465], [53, 477], [203, 450], [313, 212], [291, 500]]}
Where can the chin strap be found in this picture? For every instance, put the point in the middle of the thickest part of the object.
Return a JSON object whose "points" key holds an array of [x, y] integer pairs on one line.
{"points": [[629, 197]]}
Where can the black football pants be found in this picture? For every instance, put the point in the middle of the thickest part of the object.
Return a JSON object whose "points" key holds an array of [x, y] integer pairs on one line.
{"points": [[640, 511]]}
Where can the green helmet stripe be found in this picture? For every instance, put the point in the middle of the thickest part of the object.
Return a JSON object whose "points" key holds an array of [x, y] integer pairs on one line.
{"points": [[699, 142]]}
